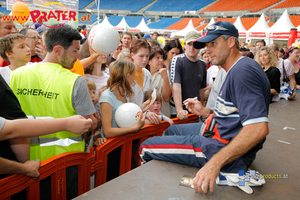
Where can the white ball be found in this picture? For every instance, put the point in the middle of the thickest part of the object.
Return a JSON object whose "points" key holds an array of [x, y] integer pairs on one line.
{"points": [[104, 38], [127, 114]]}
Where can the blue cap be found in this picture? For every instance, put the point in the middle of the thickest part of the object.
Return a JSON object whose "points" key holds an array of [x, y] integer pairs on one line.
{"points": [[214, 31], [41, 29], [147, 36]]}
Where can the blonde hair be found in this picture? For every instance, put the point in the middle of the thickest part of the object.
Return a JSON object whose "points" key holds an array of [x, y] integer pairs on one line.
{"points": [[148, 93], [91, 85], [273, 58], [124, 53], [118, 77], [203, 51]]}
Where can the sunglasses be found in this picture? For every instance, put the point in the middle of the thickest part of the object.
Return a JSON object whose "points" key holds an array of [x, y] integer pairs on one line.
{"points": [[213, 28]]}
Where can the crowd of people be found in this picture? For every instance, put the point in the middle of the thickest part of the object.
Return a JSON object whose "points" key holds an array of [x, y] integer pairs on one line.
{"points": [[215, 77]]}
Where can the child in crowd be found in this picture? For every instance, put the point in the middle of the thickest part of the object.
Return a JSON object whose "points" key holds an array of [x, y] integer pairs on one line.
{"points": [[172, 48], [160, 78], [96, 67], [140, 52], [92, 90], [118, 91], [14, 50], [96, 140], [156, 106]]}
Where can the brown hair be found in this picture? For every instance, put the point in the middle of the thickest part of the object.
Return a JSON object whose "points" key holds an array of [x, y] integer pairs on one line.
{"points": [[290, 50], [6, 44], [118, 77], [126, 33], [91, 85], [84, 53], [248, 54], [153, 43], [136, 45], [148, 93], [173, 43], [261, 41], [154, 52]]}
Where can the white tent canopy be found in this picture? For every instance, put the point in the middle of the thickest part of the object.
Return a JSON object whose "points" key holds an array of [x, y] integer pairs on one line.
{"points": [[183, 32], [240, 27], [105, 21], [282, 28], [259, 28], [212, 21], [122, 25], [143, 26]]}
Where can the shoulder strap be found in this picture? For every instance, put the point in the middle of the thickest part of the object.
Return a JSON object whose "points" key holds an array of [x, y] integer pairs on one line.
{"points": [[284, 71]]}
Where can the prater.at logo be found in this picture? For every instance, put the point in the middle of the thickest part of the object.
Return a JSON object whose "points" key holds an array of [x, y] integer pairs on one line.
{"points": [[21, 14]]}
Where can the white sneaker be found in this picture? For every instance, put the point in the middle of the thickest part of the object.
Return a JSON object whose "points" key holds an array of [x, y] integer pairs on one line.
{"points": [[252, 177]]}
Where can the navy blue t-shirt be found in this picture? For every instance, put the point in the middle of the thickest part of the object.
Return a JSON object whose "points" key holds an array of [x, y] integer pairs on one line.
{"points": [[191, 75], [243, 99]]}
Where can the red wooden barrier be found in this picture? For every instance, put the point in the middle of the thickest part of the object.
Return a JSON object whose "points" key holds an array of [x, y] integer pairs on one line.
{"points": [[87, 163], [56, 168]]}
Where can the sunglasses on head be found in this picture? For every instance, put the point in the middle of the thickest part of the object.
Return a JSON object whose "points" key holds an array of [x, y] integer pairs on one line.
{"points": [[213, 28], [290, 50]]}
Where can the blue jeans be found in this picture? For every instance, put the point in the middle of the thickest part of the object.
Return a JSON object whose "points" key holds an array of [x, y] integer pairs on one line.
{"points": [[184, 129]]}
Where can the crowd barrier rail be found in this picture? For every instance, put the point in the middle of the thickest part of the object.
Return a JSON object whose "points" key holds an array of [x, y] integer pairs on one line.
{"points": [[94, 162]]}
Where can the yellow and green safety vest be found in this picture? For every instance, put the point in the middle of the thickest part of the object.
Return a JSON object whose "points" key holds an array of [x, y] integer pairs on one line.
{"points": [[45, 90]]}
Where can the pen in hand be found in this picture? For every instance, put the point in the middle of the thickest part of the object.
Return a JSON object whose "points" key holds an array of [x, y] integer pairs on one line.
{"points": [[188, 102]]}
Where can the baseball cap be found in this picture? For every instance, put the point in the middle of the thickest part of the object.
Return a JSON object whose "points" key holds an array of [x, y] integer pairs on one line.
{"points": [[214, 31], [147, 36], [191, 36], [41, 30]]}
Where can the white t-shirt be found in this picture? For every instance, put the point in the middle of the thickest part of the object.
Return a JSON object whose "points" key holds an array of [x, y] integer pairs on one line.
{"points": [[288, 68], [211, 73], [98, 80], [158, 84], [5, 73], [138, 93]]}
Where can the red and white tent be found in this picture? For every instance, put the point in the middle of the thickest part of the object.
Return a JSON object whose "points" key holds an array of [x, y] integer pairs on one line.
{"points": [[281, 29], [183, 32], [258, 30], [240, 27], [143, 27], [122, 26], [105, 21]]}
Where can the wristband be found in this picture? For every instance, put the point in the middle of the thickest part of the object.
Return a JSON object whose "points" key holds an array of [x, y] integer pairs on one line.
{"points": [[210, 112], [162, 118]]}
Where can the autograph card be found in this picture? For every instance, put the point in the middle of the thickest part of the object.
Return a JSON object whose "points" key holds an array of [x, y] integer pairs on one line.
{"points": [[153, 97], [187, 181]]}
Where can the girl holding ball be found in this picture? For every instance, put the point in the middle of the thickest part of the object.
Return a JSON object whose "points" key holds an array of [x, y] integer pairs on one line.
{"points": [[118, 91]]}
